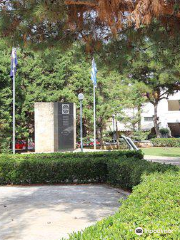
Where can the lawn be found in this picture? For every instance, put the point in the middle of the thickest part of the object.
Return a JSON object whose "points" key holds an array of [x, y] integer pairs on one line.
{"points": [[162, 151]]}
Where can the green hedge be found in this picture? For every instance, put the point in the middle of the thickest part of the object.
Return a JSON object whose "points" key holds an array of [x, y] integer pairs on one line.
{"points": [[30, 171], [87, 155], [58, 167], [122, 168], [154, 205], [166, 142], [127, 172]]}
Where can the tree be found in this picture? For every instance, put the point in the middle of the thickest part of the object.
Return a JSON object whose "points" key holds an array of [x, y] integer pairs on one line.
{"points": [[106, 97], [158, 69], [5, 99], [150, 59], [132, 104]]}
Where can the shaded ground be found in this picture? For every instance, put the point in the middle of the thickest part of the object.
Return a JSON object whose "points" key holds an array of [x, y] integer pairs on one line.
{"points": [[51, 212], [162, 151]]}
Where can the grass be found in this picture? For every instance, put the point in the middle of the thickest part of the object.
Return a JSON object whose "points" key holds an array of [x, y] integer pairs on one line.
{"points": [[162, 151]]}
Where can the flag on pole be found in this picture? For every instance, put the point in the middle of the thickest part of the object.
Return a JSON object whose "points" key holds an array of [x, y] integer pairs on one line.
{"points": [[93, 73], [14, 62]]}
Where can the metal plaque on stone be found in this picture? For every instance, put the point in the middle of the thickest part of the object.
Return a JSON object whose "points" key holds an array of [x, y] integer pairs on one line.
{"points": [[66, 126]]}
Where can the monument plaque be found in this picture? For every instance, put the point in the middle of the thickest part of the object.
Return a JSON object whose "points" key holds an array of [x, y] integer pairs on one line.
{"points": [[66, 126], [55, 127]]}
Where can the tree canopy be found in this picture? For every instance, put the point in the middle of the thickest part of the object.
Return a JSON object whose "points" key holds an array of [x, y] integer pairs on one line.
{"points": [[49, 22], [119, 13]]}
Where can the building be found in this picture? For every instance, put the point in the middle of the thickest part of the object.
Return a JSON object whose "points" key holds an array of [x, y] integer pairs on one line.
{"points": [[168, 116]]}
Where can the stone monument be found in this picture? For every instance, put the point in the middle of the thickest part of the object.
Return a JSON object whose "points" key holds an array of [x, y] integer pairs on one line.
{"points": [[55, 127]]}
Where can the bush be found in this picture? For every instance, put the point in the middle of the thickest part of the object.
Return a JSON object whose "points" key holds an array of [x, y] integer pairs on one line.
{"points": [[71, 156], [58, 167], [122, 168], [153, 205], [140, 135], [49, 170], [164, 131], [127, 173], [4, 143], [166, 142]]}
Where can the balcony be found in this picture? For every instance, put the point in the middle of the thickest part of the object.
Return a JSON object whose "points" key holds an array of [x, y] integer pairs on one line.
{"points": [[173, 116]]}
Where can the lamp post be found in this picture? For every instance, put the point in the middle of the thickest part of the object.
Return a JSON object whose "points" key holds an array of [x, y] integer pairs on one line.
{"points": [[81, 97], [113, 116]]}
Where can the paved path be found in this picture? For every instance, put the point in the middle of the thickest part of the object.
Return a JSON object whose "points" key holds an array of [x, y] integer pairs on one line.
{"points": [[167, 160], [51, 212]]}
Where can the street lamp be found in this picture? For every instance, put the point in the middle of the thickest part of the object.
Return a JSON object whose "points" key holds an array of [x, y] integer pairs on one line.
{"points": [[113, 116], [81, 97]]}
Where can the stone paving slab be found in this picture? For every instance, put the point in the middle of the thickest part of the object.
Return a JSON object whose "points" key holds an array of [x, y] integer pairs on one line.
{"points": [[51, 212]]}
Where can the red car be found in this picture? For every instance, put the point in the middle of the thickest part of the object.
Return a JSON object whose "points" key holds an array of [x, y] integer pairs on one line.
{"points": [[86, 144], [92, 143], [20, 144]]}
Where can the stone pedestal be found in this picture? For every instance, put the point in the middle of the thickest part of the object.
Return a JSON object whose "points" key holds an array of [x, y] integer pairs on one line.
{"points": [[55, 126]]}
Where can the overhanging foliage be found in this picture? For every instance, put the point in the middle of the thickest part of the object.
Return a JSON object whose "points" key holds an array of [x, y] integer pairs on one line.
{"points": [[41, 22]]}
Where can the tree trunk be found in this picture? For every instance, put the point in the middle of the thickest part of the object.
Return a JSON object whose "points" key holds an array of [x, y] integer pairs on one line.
{"points": [[101, 136], [117, 135], [139, 117], [27, 144], [156, 126]]}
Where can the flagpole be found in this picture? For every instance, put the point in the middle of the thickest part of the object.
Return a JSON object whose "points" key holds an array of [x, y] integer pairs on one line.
{"points": [[93, 78], [12, 75], [14, 112], [94, 93]]}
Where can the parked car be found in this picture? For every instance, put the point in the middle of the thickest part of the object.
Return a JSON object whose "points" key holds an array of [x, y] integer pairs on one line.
{"points": [[87, 143], [20, 144], [92, 143]]}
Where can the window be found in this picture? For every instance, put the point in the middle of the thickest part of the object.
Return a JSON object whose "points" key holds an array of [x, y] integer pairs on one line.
{"points": [[148, 119], [173, 105]]}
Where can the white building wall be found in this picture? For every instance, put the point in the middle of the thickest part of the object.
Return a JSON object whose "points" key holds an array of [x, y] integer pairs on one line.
{"points": [[165, 116]]}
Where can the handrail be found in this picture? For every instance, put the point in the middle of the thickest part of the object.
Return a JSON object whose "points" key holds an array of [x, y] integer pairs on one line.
{"points": [[130, 143]]}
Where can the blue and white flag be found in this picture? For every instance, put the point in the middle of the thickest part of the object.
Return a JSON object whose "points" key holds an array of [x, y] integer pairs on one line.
{"points": [[14, 62], [93, 73]]}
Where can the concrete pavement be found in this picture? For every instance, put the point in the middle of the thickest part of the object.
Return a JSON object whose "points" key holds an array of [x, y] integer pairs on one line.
{"points": [[166, 160], [52, 212]]}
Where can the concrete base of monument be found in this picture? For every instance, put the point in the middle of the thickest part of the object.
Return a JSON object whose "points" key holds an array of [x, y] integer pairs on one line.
{"points": [[53, 212]]}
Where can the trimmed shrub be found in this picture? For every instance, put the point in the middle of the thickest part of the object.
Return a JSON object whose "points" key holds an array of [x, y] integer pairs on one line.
{"points": [[164, 131], [30, 171], [122, 168], [127, 172], [154, 206], [166, 142], [58, 155], [58, 167]]}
